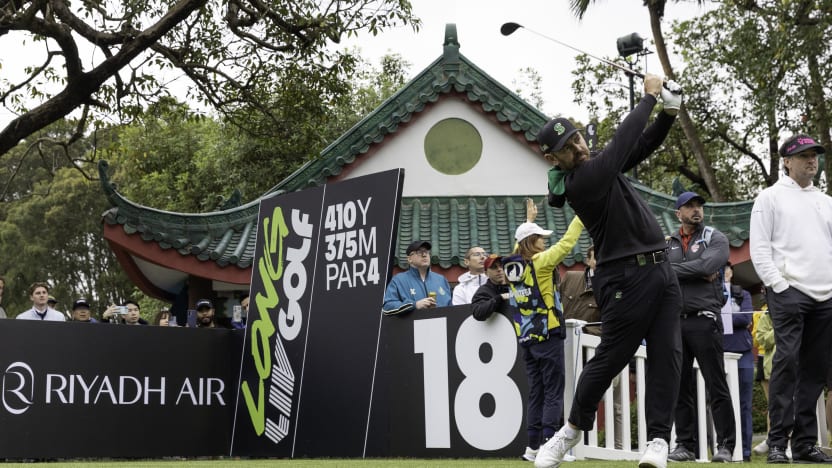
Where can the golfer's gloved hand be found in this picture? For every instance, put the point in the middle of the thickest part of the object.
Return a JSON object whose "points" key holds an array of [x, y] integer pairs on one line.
{"points": [[671, 95]]}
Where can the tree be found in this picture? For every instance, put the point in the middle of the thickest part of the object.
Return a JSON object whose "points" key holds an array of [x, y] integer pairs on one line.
{"points": [[172, 158], [751, 81], [54, 235], [228, 50], [656, 11]]}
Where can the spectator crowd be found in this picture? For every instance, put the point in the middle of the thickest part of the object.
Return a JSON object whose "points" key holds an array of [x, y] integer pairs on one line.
{"points": [[128, 312]]}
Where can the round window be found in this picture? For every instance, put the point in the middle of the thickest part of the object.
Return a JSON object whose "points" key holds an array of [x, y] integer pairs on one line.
{"points": [[453, 146]]}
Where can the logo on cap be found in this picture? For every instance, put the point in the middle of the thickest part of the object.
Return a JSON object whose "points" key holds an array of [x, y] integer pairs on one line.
{"points": [[559, 128], [800, 142]]}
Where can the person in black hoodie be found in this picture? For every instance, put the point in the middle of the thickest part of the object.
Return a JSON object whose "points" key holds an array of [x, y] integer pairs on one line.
{"points": [[492, 296]]}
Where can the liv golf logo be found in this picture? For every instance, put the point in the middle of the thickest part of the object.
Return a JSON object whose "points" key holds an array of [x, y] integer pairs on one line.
{"points": [[18, 387], [282, 284]]}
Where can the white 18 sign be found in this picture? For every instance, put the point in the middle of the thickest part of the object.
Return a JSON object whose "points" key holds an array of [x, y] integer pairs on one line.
{"points": [[480, 431]]}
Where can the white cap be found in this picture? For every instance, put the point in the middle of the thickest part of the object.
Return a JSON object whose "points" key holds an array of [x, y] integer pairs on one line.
{"points": [[527, 229]]}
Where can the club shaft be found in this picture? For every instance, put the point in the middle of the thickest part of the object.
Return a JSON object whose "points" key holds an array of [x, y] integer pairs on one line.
{"points": [[603, 60]]}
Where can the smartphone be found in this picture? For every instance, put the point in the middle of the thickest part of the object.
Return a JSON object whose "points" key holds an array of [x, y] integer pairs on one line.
{"points": [[192, 318], [237, 315], [122, 310]]}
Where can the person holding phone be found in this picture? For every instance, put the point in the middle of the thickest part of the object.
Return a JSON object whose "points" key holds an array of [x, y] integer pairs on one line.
{"points": [[128, 313]]}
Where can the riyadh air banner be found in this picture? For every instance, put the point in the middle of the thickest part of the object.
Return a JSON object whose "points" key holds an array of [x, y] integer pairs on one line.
{"points": [[102, 390], [308, 363]]}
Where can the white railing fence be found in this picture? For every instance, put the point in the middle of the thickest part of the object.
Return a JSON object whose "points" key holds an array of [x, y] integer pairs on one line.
{"points": [[580, 347]]}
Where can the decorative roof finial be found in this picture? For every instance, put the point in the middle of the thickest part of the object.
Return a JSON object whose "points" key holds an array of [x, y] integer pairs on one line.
{"points": [[451, 45]]}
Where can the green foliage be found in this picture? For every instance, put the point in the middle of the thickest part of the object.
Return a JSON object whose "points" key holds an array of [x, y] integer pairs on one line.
{"points": [[54, 235], [748, 80], [759, 410], [176, 160], [528, 87], [168, 158]]}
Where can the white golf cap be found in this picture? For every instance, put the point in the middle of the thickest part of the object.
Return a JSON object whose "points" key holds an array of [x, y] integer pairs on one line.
{"points": [[527, 229]]}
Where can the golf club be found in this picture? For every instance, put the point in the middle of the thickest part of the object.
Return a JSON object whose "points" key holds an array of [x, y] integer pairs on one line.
{"points": [[509, 28]]}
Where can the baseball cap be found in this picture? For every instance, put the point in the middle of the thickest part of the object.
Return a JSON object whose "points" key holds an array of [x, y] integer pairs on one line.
{"points": [[527, 229], [492, 259], [684, 198], [204, 303], [554, 134], [799, 143], [416, 245], [51, 300], [80, 303]]}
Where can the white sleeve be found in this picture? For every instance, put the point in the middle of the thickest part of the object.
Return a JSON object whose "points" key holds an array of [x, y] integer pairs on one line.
{"points": [[459, 295], [760, 242]]}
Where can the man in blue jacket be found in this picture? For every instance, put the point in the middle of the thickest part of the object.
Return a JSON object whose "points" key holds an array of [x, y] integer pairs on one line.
{"points": [[417, 287]]}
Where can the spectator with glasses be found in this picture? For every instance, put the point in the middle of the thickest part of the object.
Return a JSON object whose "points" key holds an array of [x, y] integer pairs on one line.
{"points": [[472, 279], [417, 287]]}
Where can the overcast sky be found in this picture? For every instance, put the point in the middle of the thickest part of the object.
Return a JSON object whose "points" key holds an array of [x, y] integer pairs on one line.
{"points": [[478, 28]]}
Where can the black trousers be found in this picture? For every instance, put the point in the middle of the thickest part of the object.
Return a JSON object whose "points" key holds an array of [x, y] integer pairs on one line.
{"points": [[702, 339], [637, 303], [803, 335]]}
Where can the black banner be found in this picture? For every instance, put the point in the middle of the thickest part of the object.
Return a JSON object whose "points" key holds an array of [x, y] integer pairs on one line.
{"points": [[448, 386], [319, 274], [81, 390]]}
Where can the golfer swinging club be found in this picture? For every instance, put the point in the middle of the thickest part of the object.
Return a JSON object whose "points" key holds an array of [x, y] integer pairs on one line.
{"points": [[635, 287]]}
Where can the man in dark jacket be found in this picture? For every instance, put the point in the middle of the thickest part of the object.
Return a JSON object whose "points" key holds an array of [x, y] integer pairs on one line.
{"points": [[493, 295], [698, 254]]}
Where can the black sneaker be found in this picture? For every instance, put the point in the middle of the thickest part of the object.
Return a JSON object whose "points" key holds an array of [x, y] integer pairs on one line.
{"points": [[812, 455], [723, 455], [681, 454], [777, 455]]}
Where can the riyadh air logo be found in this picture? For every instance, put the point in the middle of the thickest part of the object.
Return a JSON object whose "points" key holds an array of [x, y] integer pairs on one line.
{"points": [[513, 271], [18, 387]]}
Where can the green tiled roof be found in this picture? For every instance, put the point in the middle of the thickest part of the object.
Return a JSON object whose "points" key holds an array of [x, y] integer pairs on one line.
{"points": [[453, 224], [450, 224], [225, 237]]}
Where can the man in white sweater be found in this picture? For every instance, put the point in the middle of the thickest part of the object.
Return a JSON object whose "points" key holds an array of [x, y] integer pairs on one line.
{"points": [[39, 293], [472, 279], [790, 244]]}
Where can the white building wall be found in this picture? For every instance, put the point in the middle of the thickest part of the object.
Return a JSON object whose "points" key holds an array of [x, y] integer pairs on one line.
{"points": [[506, 167]]}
